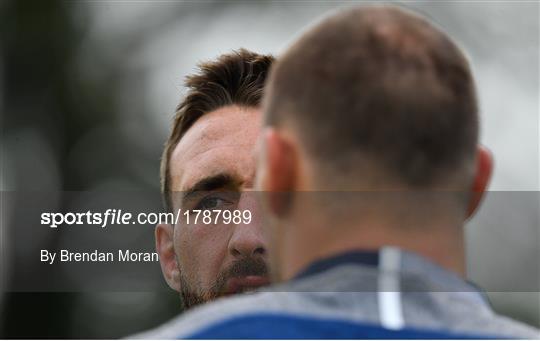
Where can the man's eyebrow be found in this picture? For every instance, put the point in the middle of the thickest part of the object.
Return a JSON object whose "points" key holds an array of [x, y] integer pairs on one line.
{"points": [[210, 183]]}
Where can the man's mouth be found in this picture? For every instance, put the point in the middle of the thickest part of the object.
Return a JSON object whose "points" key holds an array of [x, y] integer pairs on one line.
{"points": [[247, 283]]}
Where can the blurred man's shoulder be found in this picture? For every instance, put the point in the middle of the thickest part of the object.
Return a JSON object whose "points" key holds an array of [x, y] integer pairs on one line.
{"points": [[211, 313], [502, 325]]}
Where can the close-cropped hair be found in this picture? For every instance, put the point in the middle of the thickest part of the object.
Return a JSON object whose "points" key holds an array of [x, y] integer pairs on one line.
{"points": [[378, 85], [235, 78]]}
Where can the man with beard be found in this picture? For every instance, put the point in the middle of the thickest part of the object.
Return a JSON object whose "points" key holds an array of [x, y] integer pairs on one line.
{"points": [[208, 164], [369, 167]]}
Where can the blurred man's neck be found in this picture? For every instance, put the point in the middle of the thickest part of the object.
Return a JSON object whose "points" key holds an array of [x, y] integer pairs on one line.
{"points": [[441, 242]]}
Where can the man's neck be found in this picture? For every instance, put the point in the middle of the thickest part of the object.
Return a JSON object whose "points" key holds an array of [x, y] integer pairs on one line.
{"points": [[443, 245]]}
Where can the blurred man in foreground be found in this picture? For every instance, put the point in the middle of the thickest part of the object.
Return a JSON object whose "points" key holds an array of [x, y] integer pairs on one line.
{"points": [[369, 167], [207, 163]]}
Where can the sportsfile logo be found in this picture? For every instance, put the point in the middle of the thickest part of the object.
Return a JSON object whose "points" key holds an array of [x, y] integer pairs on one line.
{"points": [[119, 217]]}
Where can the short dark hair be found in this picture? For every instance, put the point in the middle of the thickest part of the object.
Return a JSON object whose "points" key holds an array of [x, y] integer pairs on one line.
{"points": [[377, 83], [236, 78]]}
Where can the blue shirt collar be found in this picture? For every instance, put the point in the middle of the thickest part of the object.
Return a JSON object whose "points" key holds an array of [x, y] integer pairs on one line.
{"points": [[411, 261], [368, 258]]}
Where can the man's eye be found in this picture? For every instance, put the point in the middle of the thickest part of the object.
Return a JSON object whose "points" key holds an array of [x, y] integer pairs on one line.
{"points": [[210, 203]]}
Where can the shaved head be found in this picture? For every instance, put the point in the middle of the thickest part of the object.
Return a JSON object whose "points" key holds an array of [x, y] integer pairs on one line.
{"points": [[378, 88]]}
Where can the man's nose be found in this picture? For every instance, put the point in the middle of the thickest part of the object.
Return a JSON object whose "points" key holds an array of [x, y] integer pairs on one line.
{"points": [[246, 243], [247, 240]]}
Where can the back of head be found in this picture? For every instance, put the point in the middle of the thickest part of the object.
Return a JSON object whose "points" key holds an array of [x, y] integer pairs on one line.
{"points": [[378, 94]]}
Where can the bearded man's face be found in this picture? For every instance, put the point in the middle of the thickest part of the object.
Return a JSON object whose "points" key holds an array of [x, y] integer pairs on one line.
{"points": [[213, 168]]}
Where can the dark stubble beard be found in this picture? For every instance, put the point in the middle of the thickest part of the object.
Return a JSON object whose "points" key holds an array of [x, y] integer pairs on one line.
{"points": [[192, 297]]}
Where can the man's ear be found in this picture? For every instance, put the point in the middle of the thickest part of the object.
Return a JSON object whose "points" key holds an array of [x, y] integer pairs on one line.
{"points": [[278, 170], [167, 258], [484, 167]]}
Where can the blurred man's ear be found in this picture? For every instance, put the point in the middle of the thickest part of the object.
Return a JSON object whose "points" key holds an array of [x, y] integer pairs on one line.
{"points": [[277, 170], [167, 258], [484, 167]]}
